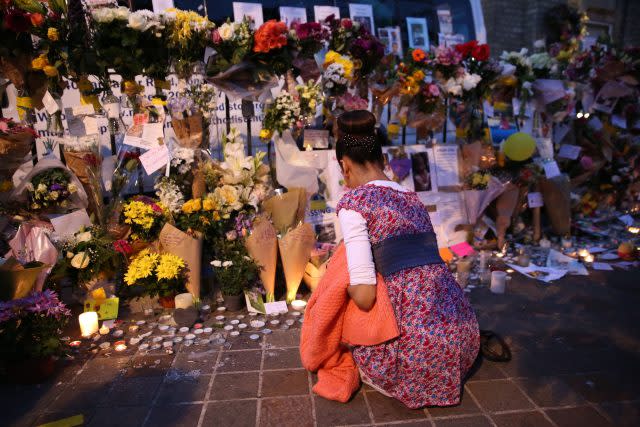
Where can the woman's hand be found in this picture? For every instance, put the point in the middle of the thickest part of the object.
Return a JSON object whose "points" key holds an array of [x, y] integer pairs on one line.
{"points": [[363, 295]]}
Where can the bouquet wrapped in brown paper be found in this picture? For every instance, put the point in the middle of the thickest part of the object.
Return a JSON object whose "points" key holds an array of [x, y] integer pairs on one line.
{"points": [[295, 250], [82, 156], [313, 273], [286, 210], [187, 247], [556, 193], [15, 144], [189, 130], [262, 246]]}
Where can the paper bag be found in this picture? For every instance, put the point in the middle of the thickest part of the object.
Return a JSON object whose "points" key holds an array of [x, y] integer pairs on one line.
{"points": [[476, 201], [556, 193], [188, 248], [313, 274], [286, 210], [295, 249], [188, 131], [262, 246]]}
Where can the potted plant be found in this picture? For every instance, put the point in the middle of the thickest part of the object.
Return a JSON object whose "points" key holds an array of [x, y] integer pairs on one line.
{"points": [[154, 274], [30, 330], [235, 271]]}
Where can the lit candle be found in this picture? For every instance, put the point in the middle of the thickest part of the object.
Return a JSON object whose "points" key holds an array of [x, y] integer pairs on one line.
{"points": [[75, 344], [583, 253], [104, 330], [308, 147], [184, 300], [88, 323], [120, 346], [634, 230], [298, 304], [588, 259]]}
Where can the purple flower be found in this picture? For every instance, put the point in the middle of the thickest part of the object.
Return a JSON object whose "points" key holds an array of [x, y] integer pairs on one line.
{"points": [[56, 187]]}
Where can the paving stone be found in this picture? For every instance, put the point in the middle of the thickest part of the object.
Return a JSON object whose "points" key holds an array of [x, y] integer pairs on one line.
{"points": [[234, 386], [278, 358], [243, 342], [133, 391], [549, 391], [623, 414], [149, 366], [184, 389], [485, 370], [202, 360], [604, 387], [330, 413], [578, 417], [284, 383], [237, 413], [119, 416], [465, 407], [289, 338], [175, 416], [521, 419], [386, 409], [408, 424], [103, 369], [499, 395], [238, 361], [22, 403], [286, 412], [80, 396], [473, 421]]}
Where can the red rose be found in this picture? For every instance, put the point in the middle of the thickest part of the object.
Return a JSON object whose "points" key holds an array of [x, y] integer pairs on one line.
{"points": [[465, 49], [346, 23], [480, 52], [36, 19]]}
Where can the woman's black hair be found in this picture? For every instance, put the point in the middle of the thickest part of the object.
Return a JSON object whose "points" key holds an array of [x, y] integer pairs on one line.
{"points": [[359, 139]]}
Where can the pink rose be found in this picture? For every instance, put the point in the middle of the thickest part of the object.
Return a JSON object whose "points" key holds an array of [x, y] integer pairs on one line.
{"points": [[215, 37]]}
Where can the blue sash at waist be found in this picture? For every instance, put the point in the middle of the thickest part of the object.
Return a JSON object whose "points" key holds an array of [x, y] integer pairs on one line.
{"points": [[406, 251]]}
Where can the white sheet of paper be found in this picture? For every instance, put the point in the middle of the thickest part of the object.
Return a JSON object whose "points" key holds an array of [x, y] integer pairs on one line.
{"points": [[535, 200], [276, 307], [320, 13], [568, 151], [251, 10], [545, 147], [155, 159], [50, 103], [447, 168], [90, 125], [451, 213], [560, 261], [551, 169], [83, 110], [151, 132], [619, 121], [560, 131], [316, 138], [161, 5], [67, 225], [292, 15], [359, 12], [108, 167], [208, 51], [551, 273], [597, 249], [602, 266]]}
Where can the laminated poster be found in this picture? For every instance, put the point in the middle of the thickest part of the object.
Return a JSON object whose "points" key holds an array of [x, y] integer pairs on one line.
{"points": [[251, 10]]}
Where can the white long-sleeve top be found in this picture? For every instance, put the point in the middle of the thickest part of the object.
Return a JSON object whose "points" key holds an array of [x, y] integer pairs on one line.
{"points": [[362, 270]]}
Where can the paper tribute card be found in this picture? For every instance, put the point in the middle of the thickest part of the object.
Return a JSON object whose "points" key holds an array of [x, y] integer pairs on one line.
{"points": [[253, 11]]}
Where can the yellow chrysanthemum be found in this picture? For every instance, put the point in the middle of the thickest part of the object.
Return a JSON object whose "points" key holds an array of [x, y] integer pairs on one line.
{"points": [[40, 62], [334, 57], [139, 213], [141, 267], [169, 267], [52, 34], [418, 75], [50, 70], [266, 134]]}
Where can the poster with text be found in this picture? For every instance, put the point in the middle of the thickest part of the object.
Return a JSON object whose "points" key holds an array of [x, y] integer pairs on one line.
{"points": [[363, 14], [392, 40], [293, 15], [320, 13], [251, 10]]}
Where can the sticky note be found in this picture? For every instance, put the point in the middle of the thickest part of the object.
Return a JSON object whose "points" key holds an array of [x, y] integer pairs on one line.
{"points": [[462, 249]]}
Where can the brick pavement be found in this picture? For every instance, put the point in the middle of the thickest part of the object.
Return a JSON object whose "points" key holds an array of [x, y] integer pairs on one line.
{"points": [[575, 363]]}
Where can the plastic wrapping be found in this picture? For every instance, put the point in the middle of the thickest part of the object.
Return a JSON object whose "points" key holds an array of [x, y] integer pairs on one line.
{"points": [[240, 82], [32, 243]]}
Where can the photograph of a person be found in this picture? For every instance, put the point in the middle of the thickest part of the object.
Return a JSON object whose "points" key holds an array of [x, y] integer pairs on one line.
{"points": [[418, 35], [364, 21], [421, 172], [326, 233]]}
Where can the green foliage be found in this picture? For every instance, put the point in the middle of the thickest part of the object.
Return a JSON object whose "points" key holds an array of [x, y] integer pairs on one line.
{"points": [[241, 274]]}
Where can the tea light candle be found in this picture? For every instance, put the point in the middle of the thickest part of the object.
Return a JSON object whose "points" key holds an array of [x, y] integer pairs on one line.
{"points": [[588, 259], [583, 253], [633, 230], [120, 346], [104, 330], [298, 304], [567, 242], [88, 323], [498, 282], [544, 243], [75, 344], [184, 300]]}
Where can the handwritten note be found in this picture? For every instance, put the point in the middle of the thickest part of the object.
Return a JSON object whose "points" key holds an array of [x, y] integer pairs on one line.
{"points": [[155, 159], [152, 132], [446, 162], [276, 307], [551, 169], [568, 151], [535, 200]]}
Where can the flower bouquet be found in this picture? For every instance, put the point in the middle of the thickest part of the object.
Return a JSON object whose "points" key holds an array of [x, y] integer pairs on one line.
{"points": [[262, 246], [157, 274], [234, 270], [51, 188], [30, 335], [187, 121], [15, 144], [17, 278], [337, 75], [310, 38], [283, 114], [145, 218], [89, 258], [82, 156], [480, 190], [187, 33]]}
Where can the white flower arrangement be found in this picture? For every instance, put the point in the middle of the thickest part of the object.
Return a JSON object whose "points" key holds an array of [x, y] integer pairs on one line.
{"points": [[182, 159], [466, 82], [169, 194]]}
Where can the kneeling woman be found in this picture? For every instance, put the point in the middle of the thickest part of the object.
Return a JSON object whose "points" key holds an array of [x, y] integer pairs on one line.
{"points": [[387, 229]]}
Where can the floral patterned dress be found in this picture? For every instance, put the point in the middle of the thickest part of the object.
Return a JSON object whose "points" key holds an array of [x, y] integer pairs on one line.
{"points": [[439, 337]]}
